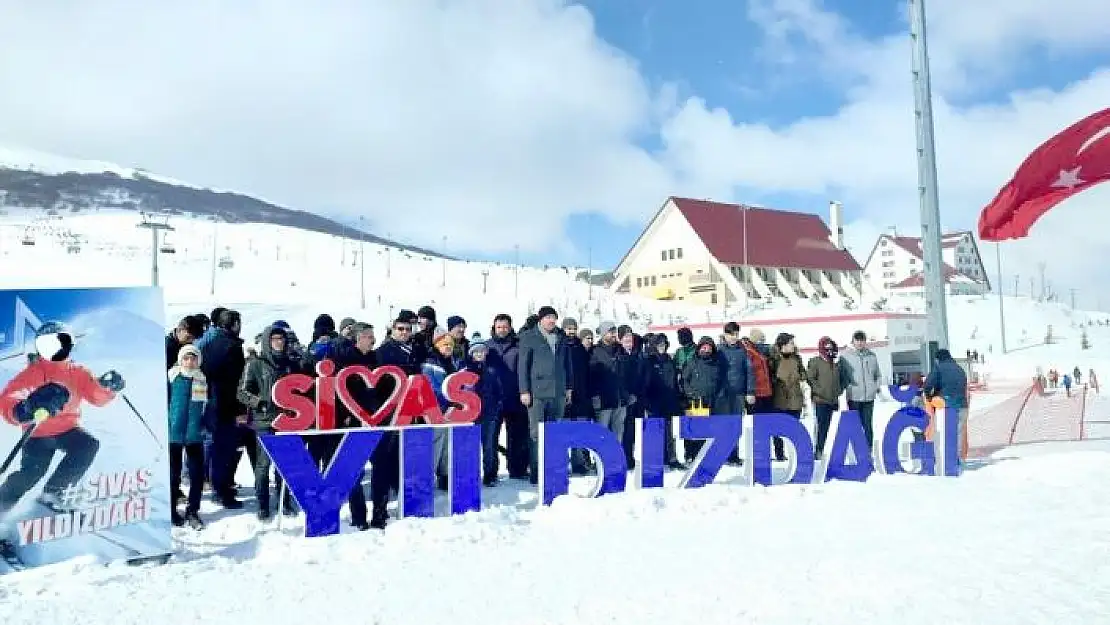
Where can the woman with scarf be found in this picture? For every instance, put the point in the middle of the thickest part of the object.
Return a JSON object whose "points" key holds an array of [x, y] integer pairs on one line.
{"points": [[439, 364], [188, 397], [702, 381]]}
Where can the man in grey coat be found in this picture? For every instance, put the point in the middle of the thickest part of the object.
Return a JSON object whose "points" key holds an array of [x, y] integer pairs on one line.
{"points": [[862, 380], [543, 372]]}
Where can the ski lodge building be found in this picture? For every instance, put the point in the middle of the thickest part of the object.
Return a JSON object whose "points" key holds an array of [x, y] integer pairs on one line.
{"points": [[711, 253], [895, 264]]}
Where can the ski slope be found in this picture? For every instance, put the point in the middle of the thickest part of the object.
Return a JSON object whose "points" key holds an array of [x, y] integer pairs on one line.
{"points": [[1020, 540]]}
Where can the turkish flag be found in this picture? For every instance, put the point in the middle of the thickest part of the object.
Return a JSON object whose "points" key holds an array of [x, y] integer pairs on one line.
{"points": [[1076, 158]]}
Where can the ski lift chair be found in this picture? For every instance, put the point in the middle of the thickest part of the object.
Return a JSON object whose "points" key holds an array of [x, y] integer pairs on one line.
{"points": [[167, 247], [226, 263], [28, 239]]}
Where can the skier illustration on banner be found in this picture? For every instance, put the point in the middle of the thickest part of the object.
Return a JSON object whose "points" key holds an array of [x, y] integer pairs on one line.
{"points": [[45, 399]]}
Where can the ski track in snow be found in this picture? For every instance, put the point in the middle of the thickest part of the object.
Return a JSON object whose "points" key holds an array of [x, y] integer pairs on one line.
{"points": [[1023, 539]]}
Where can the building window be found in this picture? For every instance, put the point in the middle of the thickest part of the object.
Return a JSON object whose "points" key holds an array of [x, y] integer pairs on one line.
{"points": [[664, 254], [678, 253], [653, 281], [639, 282], [712, 298], [670, 254], [889, 263]]}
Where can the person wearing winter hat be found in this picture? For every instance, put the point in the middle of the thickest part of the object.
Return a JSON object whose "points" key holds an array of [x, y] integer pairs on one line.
{"points": [[825, 388], [422, 338], [787, 375], [686, 347], [345, 326], [579, 408], [604, 328], [586, 335], [456, 327], [489, 390], [545, 387]]}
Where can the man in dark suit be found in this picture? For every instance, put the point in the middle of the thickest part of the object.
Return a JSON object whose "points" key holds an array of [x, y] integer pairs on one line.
{"points": [[544, 376]]}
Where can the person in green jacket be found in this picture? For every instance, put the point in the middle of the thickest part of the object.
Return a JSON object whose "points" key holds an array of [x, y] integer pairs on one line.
{"points": [[826, 385]]}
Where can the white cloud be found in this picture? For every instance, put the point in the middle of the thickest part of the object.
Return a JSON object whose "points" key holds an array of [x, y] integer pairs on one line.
{"points": [[864, 154], [492, 120], [429, 117]]}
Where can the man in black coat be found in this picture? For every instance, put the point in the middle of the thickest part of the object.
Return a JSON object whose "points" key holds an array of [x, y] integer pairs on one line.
{"points": [[543, 374], [397, 350], [223, 361], [579, 407]]}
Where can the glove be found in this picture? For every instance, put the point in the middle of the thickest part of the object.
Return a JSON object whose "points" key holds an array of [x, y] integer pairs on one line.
{"points": [[43, 403], [112, 381]]}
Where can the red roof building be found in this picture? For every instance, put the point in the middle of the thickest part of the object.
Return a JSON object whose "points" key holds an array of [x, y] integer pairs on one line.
{"points": [[896, 264], [717, 253]]}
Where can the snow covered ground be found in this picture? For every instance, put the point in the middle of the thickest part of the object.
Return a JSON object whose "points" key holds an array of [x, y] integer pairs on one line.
{"points": [[1022, 539]]}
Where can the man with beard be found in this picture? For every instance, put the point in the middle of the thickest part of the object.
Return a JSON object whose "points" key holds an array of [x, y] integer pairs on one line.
{"points": [[610, 395], [503, 359]]}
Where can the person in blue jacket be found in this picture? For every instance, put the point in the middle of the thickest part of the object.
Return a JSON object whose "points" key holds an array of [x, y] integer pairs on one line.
{"points": [[948, 380], [439, 364]]}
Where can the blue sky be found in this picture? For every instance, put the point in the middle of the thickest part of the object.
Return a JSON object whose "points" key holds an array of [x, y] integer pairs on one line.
{"points": [[715, 51], [513, 122]]}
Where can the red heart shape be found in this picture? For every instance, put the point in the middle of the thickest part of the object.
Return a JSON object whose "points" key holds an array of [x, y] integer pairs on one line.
{"points": [[371, 377]]}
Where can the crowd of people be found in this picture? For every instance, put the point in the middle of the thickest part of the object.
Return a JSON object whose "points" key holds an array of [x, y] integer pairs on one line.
{"points": [[219, 391], [1053, 379]]}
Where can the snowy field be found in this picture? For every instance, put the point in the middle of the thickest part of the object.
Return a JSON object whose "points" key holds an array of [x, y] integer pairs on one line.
{"points": [[1022, 539]]}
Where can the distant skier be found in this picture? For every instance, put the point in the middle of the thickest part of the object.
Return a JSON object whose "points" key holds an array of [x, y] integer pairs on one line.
{"points": [[45, 398], [1067, 384]]}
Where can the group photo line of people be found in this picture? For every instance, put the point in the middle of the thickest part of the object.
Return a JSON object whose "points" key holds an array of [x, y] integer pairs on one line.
{"points": [[219, 392]]}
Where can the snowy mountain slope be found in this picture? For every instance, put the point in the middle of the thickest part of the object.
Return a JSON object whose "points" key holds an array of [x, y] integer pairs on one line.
{"points": [[1020, 540], [35, 184]]}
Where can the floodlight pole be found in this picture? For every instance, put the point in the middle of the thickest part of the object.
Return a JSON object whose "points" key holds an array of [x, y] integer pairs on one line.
{"points": [[935, 306]]}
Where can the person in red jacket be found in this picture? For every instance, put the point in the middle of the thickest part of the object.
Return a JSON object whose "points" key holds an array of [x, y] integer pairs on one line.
{"points": [[45, 398]]}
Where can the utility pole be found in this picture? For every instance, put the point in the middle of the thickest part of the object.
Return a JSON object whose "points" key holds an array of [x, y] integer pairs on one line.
{"points": [[1001, 297], [590, 272], [1041, 266], [516, 270], [1033, 289], [215, 236], [1072, 298], [362, 261], [154, 227], [936, 309], [485, 280], [443, 284], [1017, 280]]}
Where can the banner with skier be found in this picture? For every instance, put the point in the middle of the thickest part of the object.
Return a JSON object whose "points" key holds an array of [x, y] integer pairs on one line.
{"points": [[83, 466]]}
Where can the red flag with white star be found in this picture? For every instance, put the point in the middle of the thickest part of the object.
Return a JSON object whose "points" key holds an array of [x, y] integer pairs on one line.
{"points": [[1075, 159]]}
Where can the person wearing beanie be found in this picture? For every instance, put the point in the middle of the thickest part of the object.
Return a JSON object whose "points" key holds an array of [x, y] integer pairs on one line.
{"points": [[345, 326], [586, 335], [662, 397], [424, 332], [948, 380], [686, 348], [488, 388], [456, 326], [543, 376], [609, 395], [579, 408], [825, 388]]}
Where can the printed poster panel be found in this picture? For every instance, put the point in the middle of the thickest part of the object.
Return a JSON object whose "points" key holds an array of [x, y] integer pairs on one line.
{"points": [[84, 469]]}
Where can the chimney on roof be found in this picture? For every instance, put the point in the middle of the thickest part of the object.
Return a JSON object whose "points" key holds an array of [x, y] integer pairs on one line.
{"points": [[836, 224]]}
